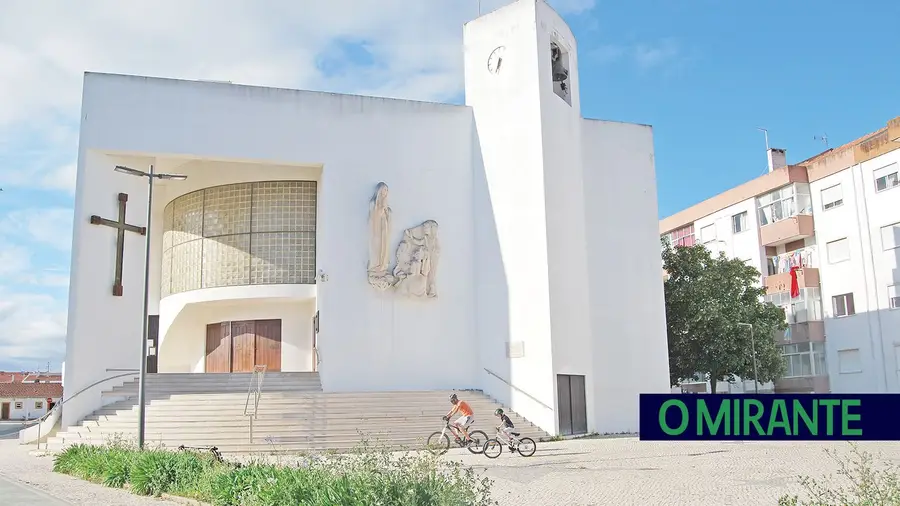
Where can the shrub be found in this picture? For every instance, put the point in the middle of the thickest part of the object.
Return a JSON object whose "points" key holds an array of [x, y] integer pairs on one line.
{"points": [[370, 477], [867, 485]]}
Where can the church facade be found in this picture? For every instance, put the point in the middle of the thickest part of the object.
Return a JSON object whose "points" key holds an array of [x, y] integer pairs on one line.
{"points": [[506, 245]]}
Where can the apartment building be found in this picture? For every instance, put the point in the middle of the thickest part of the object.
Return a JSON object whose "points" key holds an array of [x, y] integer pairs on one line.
{"points": [[825, 236]]}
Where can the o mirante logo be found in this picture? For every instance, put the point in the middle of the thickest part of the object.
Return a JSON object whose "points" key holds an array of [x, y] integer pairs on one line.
{"points": [[800, 417]]}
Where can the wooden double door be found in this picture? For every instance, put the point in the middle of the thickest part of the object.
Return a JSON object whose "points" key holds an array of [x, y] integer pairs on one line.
{"points": [[237, 346]]}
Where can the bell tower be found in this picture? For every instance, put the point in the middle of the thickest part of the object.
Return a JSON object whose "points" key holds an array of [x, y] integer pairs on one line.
{"points": [[522, 85]]}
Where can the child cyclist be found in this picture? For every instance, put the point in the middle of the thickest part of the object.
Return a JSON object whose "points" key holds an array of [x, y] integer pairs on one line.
{"points": [[506, 427]]}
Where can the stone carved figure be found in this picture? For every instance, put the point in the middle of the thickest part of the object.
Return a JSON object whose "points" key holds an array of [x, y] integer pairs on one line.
{"points": [[379, 239], [417, 261]]}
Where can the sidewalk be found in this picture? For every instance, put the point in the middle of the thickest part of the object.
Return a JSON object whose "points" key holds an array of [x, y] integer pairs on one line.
{"points": [[15, 494]]}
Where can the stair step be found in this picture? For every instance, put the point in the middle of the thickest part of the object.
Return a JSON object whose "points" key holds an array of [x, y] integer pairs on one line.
{"points": [[293, 413]]}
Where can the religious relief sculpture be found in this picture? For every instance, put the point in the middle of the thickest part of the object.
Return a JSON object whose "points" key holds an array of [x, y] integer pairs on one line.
{"points": [[417, 260], [379, 239], [417, 255]]}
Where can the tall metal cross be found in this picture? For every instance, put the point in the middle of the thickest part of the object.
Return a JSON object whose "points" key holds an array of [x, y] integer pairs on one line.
{"points": [[120, 227]]}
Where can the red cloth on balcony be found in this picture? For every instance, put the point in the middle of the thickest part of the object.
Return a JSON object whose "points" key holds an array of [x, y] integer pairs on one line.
{"points": [[795, 286]]}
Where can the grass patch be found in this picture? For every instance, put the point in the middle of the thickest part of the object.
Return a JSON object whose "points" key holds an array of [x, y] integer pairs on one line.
{"points": [[866, 483], [369, 477]]}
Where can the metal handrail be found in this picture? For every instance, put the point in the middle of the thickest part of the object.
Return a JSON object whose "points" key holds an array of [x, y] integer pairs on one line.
{"points": [[535, 399], [58, 406], [259, 372]]}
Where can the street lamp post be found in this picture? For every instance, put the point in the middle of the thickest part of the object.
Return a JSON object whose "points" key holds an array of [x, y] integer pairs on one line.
{"points": [[753, 350], [150, 175]]}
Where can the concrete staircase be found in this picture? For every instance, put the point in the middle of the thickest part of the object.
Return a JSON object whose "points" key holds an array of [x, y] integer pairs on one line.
{"points": [[294, 415]]}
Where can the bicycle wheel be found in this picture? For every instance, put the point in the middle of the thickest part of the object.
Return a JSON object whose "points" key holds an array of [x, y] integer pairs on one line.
{"points": [[438, 443], [526, 447], [492, 448], [476, 443]]}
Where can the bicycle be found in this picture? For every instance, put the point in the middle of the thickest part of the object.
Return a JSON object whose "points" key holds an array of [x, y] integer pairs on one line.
{"points": [[438, 443], [216, 455], [525, 446]]}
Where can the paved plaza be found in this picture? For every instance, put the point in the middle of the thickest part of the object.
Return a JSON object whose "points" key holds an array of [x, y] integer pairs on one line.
{"points": [[614, 471]]}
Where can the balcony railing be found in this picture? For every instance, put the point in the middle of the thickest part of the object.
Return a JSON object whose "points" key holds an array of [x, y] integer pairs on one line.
{"points": [[783, 263], [785, 214]]}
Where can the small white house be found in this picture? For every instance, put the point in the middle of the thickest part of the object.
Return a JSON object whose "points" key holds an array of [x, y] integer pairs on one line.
{"points": [[26, 396]]}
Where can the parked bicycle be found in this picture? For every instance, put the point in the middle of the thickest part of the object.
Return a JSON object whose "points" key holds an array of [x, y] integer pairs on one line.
{"points": [[493, 447], [439, 442], [217, 456]]}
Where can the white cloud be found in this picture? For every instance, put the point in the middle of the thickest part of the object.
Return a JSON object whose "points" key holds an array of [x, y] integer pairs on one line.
{"points": [[14, 260], [52, 227], [61, 178], [32, 330]]}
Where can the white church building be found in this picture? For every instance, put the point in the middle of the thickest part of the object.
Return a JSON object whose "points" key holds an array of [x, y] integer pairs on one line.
{"points": [[507, 245]]}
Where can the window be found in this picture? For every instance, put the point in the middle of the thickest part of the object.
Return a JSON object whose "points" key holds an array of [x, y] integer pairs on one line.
{"points": [[849, 361], [886, 178], [890, 236], [683, 236], [797, 360], [842, 305], [739, 222], [38, 404], [19, 405], [820, 367], [838, 251], [894, 297], [708, 233], [804, 359], [805, 307], [784, 203], [832, 197]]}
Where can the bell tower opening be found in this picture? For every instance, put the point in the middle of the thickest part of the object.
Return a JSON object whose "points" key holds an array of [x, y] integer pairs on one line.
{"points": [[559, 65]]}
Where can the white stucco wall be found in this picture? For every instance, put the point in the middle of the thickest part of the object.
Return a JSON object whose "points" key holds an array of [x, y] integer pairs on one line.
{"points": [[564, 163], [368, 340], [513, 180], [875, 329], [510, 189], [744, 245], [28, 411], [628, 321]]}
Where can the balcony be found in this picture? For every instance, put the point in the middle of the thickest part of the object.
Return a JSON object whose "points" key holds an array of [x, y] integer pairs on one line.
{"points": [[787, 230], [805, 332], [807, 277], [803, 384], [785, 215]]}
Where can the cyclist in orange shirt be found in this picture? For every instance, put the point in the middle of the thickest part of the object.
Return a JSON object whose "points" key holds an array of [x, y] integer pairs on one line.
{"points": [[466, 418]]}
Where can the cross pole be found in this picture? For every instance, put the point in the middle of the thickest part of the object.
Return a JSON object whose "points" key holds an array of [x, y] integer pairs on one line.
{"points": [[120, 227]]}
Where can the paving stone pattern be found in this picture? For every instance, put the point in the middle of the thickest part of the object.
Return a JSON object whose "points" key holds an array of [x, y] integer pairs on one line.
{"points": [[626, 471]]}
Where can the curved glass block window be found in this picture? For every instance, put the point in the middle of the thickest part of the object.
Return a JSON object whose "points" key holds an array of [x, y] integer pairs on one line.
{"points": [[240, 234]]}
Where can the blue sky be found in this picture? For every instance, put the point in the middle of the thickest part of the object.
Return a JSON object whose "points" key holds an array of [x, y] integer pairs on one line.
{"points": [[704, 73]]}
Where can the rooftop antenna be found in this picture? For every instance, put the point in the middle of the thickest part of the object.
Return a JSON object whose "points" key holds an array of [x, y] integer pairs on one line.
{"points": [[766, 133], [823, 138]]}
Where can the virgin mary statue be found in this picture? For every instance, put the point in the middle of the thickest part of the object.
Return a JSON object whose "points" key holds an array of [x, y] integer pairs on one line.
{"points": [[379, 235]]}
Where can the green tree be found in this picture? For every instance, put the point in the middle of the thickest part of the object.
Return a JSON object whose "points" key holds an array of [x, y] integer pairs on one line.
{"points": [[708, 302]]}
